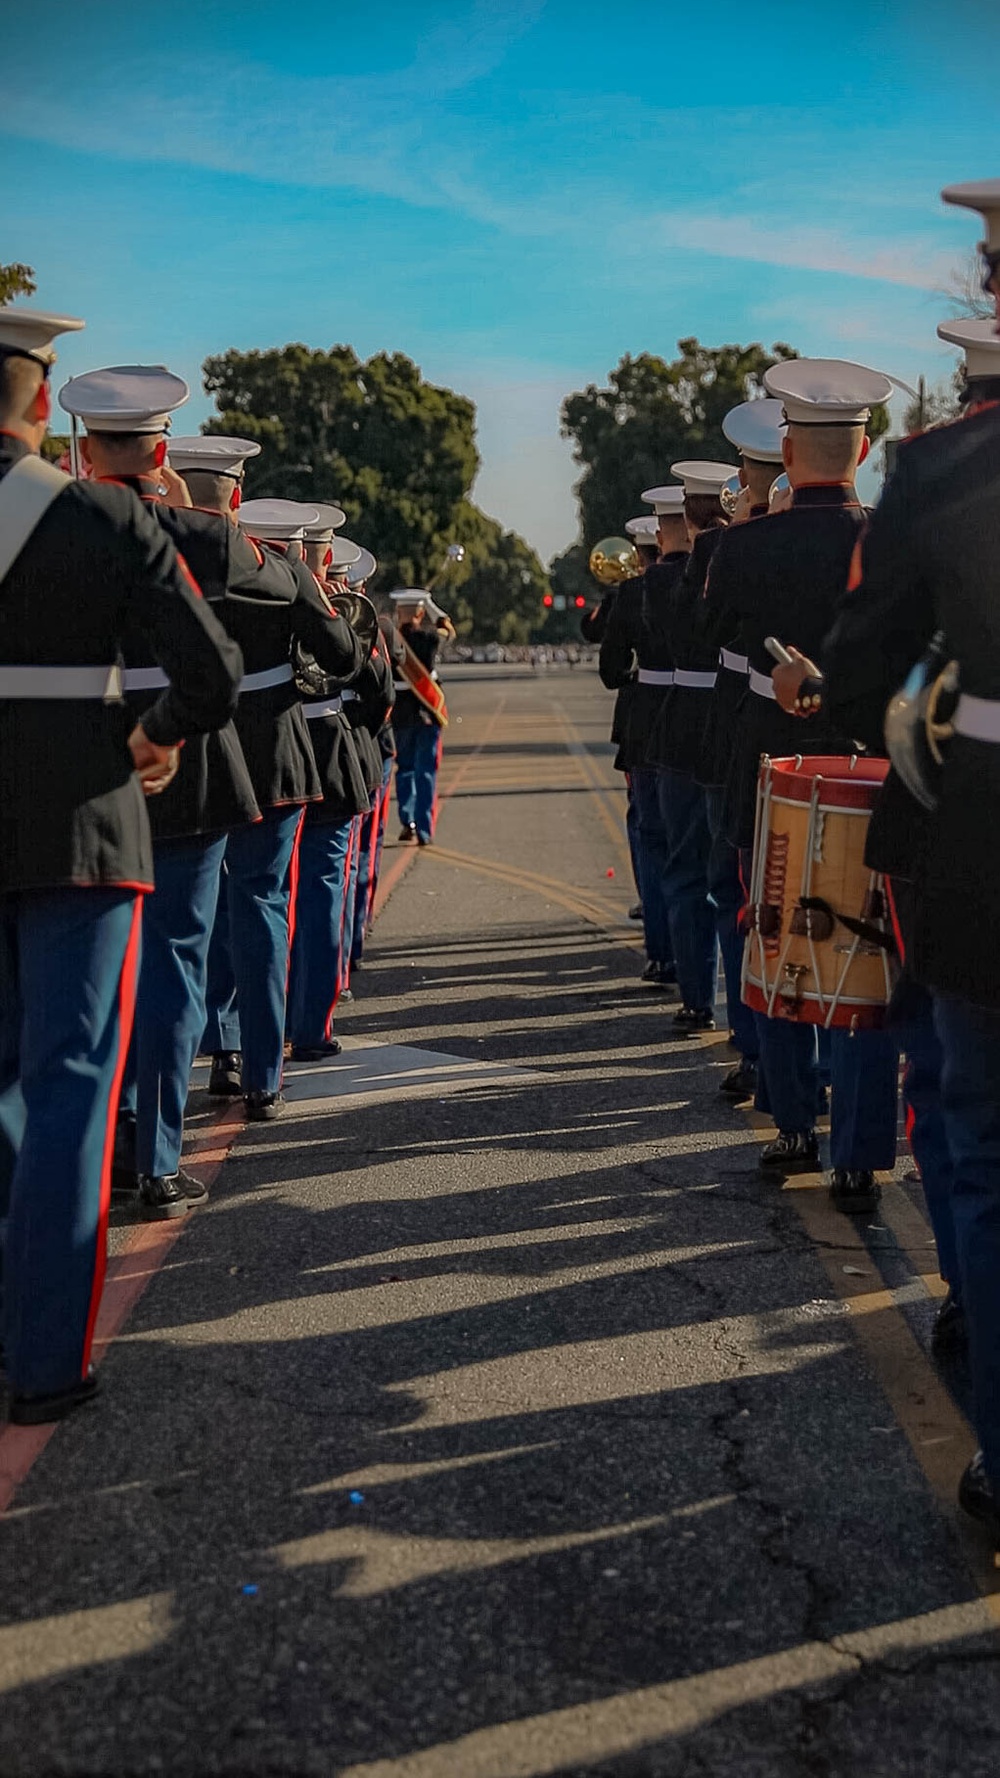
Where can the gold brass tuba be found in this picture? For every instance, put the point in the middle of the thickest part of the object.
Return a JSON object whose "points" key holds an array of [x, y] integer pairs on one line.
{"points": [[613, 560]]}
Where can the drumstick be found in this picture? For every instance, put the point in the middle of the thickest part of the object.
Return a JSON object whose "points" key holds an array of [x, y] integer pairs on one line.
{"points": [[777, 651]]}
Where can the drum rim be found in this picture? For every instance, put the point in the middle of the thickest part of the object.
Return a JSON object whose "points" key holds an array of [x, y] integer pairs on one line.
{"points": [[793, 779]]}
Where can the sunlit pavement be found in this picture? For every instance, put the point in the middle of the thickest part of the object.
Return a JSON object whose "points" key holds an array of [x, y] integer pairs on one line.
{"points": [[494, 1420]]}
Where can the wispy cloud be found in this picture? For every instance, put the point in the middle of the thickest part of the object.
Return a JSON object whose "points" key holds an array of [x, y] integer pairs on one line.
{"points": [[914, 263]]}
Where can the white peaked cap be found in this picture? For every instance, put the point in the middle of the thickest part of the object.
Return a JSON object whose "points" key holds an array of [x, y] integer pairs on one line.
{"points": [[209, 450], [345, 553], [982, 195], [703, 478], [363, 569], [980, 343], [642, 530], [280, 521], [125, 398], [330, 518], [666, 502], [409, 595], [826, 391], [30, 332], [755, 428]]}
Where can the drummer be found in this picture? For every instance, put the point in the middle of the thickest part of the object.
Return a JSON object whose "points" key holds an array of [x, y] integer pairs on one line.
{"points": [[786, 578]]}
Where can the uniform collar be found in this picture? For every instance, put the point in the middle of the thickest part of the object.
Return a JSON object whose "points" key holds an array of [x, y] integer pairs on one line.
{"points": [[761, 511], [826, 494], [13, 446]]}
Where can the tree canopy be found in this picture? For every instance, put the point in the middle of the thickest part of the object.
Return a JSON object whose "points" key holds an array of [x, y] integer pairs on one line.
{"points": [[16, 280], [652, 414], [397, 453]]}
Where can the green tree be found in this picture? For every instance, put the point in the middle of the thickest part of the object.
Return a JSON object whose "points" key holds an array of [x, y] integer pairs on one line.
{"points": [[396, 452], [496, 593], [652, 414], [16, 280]]}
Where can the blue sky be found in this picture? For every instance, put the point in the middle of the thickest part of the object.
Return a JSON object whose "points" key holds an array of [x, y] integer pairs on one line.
{"points": [[514, 194]]}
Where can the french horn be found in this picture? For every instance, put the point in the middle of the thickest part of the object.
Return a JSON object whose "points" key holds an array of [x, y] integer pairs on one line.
{"points": [[613, 560], [358, 611], [729, 495]]}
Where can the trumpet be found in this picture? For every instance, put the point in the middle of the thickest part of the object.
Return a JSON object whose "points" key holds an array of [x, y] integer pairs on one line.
{"points": [[613, 560]]}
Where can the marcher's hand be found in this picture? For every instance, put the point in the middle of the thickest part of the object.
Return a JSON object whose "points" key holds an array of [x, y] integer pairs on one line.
{"points": [[178, 493], [156, 766], [787, 679], [741, 511]]}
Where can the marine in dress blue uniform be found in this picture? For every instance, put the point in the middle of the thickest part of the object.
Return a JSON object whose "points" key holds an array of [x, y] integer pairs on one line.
{"points": [[76, 854], [249, 955], [418, 734], [328, 848], [638, 664], [754, 427], [368, 707], [125, 411], [928, 565], [675, 748], [786, 577]]}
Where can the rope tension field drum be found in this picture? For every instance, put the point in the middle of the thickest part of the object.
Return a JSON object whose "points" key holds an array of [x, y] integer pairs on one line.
{"points": [[819, 931]]}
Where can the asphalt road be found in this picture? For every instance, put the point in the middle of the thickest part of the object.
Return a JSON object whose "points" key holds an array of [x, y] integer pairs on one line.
{"points": [[494, 1420]]}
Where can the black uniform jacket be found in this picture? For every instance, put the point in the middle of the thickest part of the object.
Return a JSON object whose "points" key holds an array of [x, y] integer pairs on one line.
{"points": [[409, 710], [632, 641], [678, 737], [931, 560], [212, 791], [391, 644], [273, 731], [367, 705], [594, 623], [719, 627], [783, 577], [96, 568]]}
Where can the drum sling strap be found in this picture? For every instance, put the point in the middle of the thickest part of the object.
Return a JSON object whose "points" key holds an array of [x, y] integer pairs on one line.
{"points": [[863, 929], [26, 493]]}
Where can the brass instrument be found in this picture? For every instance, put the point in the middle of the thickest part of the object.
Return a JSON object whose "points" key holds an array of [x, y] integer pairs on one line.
{"points": [[780, 485], [613, 560], [729, 495], [359, 612]]}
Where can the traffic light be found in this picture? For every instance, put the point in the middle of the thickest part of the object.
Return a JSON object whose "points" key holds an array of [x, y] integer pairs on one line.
{"points": [[547, 601], [580, 601]]}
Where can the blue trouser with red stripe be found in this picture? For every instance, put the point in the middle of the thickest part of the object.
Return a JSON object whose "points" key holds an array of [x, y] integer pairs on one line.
{"points": [[418, 755], [177, 924], [318, 949], [246, 999], [369, 857], [68, 965]]}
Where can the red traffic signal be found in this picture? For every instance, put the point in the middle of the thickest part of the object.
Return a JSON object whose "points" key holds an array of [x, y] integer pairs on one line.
{"points": [[580, 601], [547, 599]]}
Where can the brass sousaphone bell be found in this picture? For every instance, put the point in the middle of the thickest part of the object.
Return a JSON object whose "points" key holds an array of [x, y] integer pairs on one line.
{"points": [[613, 560]]}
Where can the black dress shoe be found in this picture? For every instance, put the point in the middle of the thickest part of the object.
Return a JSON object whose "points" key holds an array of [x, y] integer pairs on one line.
{"points": [[345, 997], [424, 840], [635, 911], [162, 1197], [977, 1498], [949, 1333], [792, 1151], [263, 1108], [740, 1083], [38, 1410], [854, 1191], [225, 1080], [316, 1052], [691, 1019], [407, 834]]}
